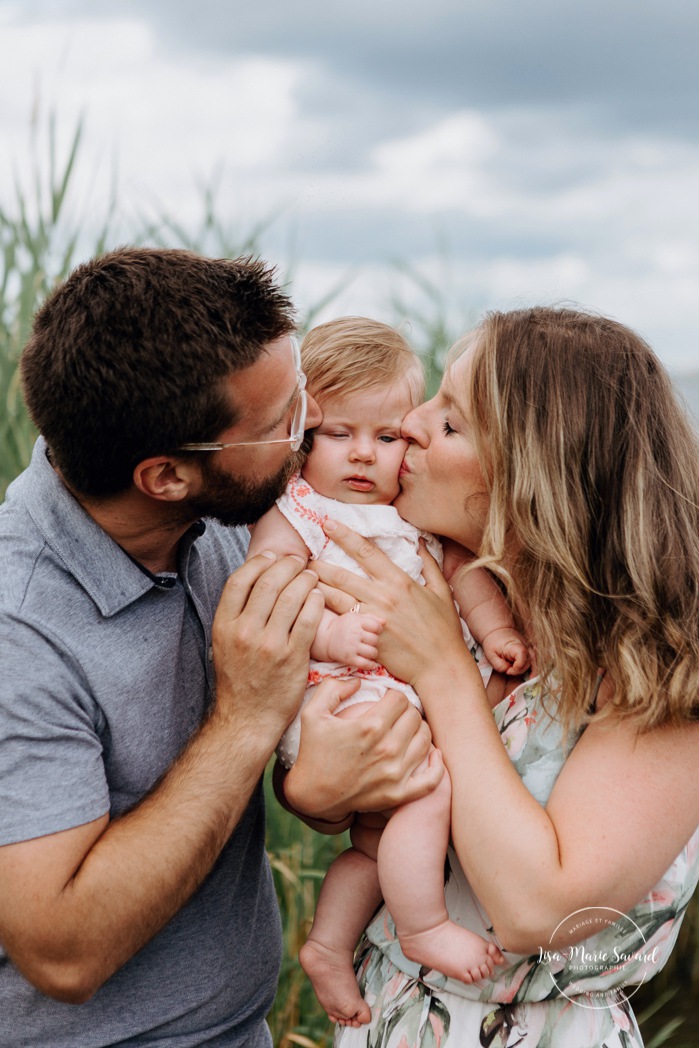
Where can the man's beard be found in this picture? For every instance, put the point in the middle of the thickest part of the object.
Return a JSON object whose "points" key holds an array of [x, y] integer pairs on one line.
{"points": [[234, 501]]}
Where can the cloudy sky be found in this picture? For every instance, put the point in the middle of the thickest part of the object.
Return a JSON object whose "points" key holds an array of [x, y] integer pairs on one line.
{"points": [[509, 151]]}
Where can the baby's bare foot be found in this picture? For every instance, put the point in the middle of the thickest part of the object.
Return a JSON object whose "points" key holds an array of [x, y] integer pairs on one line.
{"points": [[334, 983], [452, 950]]}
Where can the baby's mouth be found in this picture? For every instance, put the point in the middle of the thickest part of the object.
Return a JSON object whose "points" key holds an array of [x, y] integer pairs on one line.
{"points": [[360, 483]]}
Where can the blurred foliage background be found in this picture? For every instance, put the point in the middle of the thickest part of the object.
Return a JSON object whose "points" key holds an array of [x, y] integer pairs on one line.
{"points": [[42, 238]]}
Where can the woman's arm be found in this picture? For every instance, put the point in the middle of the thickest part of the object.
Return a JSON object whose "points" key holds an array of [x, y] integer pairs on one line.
{"points": [[621, 810]]}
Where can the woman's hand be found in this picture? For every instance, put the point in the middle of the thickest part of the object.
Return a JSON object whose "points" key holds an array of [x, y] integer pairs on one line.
{"points": [[422, 627]]}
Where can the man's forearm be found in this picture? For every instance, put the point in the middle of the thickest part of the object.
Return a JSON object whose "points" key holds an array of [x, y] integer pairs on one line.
{"points": [[327, 826], [76, 905], [141, 869]]}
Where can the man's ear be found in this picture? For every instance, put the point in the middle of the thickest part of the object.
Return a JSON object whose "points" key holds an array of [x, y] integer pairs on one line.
{"points": [[165, 478]]}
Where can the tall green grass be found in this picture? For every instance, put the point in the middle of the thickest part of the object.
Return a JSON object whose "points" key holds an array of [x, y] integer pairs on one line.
{"points": [[40, 240], [38, 244]]}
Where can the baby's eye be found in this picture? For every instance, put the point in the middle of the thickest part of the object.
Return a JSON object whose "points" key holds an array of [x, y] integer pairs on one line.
{"points": [[338, 436], [387, 438]]}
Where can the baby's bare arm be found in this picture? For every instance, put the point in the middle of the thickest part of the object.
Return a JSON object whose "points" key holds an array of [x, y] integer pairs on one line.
{"points": [[487, 613], [353, 640], [480, 601], [274, 532], [348, 638]]}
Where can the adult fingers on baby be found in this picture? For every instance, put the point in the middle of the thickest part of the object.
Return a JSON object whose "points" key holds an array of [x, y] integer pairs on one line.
{"points": [[277, 642], [248, 599], [239, 585], [342, 603], [345, 588], [368, 556], [427, 778], [394, 709], [405, 739], [419, 751], [419, 780], [256, 599], [327, 697], [289, 603], [432, 573], [308, 619], [387, 585], [290, 597]]}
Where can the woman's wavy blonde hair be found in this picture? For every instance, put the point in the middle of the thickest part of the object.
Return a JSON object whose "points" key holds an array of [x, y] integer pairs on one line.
{"points": [[593, 471]]}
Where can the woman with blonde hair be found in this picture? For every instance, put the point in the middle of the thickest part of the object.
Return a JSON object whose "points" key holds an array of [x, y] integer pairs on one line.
{"points": [[556, 449]]}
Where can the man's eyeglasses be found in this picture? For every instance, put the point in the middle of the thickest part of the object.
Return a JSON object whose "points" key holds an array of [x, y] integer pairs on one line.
{"points": [[298, 421]]}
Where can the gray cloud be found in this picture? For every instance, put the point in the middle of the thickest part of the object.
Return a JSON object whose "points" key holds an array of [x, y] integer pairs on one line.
{"points": [[628, 63], [582, 182]]}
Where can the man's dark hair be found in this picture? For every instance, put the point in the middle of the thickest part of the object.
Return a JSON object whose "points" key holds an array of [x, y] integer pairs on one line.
{"points": [[127, 357]]}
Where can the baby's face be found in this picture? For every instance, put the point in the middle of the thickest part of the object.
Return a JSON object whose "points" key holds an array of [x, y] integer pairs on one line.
{"points": [[357, 449]]}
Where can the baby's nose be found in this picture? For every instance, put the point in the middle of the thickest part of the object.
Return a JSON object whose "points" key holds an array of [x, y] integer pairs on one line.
{"points": [[363, 450]]}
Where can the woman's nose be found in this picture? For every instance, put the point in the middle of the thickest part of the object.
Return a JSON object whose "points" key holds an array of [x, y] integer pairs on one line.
{"points": [[414, 426]]}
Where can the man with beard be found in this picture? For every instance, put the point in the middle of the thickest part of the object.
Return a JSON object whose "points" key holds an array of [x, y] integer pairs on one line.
{"points": [[145, 680]]}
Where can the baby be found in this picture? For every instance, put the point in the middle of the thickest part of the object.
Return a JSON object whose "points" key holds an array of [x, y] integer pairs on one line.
{"points": [[366, 379]]}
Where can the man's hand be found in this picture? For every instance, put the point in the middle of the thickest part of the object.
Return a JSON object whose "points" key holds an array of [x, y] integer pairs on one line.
{"points": [[76, 905], [368, 763], [262, 633]]}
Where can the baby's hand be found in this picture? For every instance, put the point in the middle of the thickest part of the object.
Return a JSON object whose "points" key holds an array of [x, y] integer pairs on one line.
{"points": [[351, 639], [507, 651]]}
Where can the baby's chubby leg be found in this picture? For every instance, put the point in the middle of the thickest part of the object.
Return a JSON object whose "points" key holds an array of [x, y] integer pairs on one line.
{"points": [[411, 857], [348, 898]]}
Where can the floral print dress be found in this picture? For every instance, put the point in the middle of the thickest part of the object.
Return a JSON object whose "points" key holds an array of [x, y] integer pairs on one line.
{"points": [[568, 998]]}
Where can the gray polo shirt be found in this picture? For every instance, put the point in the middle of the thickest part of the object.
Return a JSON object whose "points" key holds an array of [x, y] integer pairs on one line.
{"points": [[106, 672]]}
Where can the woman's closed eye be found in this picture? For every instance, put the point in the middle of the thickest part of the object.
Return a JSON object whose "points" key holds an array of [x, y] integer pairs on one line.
{"points": [[447, 428]]}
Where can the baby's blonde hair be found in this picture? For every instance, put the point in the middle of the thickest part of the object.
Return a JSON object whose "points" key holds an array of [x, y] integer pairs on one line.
{"points": [[355, 354]]}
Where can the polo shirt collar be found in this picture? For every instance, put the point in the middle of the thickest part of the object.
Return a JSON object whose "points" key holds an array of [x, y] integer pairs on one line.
{"points": [[109, 575]]}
